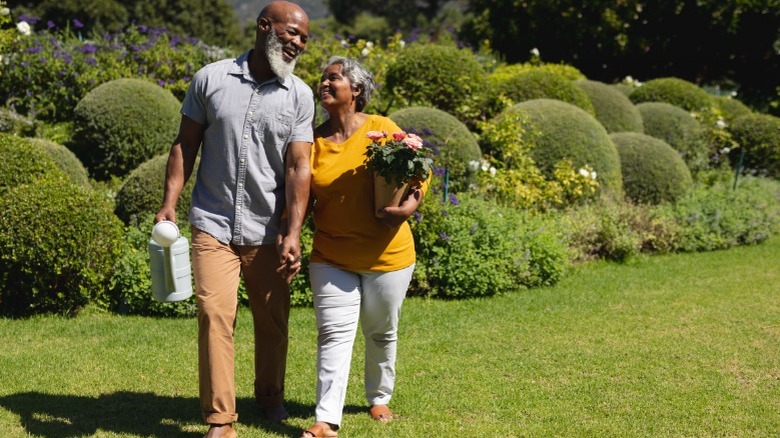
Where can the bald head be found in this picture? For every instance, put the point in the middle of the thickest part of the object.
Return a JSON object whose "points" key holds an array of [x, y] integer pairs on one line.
{"points": [[284, 11]]}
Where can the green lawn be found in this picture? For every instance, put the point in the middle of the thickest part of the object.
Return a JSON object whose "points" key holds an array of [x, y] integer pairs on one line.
{"points": [[682, 345]]}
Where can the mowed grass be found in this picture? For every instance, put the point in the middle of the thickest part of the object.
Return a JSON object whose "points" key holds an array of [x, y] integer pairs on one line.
{"points": [[680, 345]]}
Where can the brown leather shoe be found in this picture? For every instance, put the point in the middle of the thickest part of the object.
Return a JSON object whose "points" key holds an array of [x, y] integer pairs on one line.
{"points": [[221, 431], [277, 414], [381, 413]]}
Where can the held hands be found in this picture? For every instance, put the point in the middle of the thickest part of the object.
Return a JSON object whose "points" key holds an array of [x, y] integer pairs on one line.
{"points": [[289, 249], [395, 216]]}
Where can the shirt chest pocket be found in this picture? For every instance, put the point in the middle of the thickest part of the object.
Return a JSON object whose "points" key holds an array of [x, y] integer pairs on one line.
{"points": [[275, 128]]}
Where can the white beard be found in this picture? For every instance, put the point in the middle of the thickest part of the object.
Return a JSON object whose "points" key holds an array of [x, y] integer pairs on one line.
{"points": [[273, 51]]}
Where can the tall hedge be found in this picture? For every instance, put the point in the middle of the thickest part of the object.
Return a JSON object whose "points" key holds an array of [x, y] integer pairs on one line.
{"points": [[122, 123]]}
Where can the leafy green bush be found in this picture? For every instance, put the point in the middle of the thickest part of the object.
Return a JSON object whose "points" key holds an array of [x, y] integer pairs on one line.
{"points": [[537, 84], [731, 108], [616, 230], [122, 123], [142, 191], [64, 159], [624, 88], [453, 144], [759, 135], [443, 77], [507, 71], [719, 217], [129, 289], [565, 132], [22, 162], [653, 172], [58, 246], [15, 123], [613, 109], [473, 248], [510, 175], [679, 129], [677, 92]]}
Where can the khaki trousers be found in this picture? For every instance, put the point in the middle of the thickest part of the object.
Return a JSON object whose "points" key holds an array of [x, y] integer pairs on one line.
{"points": [[217, 268]]}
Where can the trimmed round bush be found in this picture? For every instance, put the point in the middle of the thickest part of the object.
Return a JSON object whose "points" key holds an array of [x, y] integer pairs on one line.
{"points": [[613, 109], [58, 246], [122, 123], [679, 129], [731, 108], [566, 132], [443, 77], [65, 159], [505, 72], [540, 84], [626, 89], [21, 162], [759, 135], [142, 191], [15, 123], [454, 145], [653, 172], [677, 92]]}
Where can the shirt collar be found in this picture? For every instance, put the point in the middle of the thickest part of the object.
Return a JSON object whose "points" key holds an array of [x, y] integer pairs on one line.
{"points": [[241, 68]]}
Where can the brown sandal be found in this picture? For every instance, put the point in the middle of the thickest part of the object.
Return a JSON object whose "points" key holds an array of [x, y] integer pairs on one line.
{"points": [[320, 430], [381, 413]]}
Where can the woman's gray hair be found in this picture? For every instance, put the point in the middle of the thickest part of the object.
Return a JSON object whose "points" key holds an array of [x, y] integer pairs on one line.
{"points": [[358, 77]]}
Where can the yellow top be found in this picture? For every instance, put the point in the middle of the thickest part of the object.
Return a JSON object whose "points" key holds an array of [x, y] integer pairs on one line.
{"points": [[348, 235]]}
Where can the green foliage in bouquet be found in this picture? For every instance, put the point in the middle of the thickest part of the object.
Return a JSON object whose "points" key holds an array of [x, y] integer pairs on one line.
{"points": [[453, 145], [398, 157], [58, 246]]}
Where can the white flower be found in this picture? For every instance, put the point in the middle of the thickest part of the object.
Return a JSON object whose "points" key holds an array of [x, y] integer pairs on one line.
{"points": [[485, 165], [492, 171], [593, 175], [24, 28], [402, 43], [370, 44], [344, 43], [584, 172], [473, 165], [628, 80], [365, 51], [720, 123], [725, 150], [535, 51], [733, 94], [5, 11]]}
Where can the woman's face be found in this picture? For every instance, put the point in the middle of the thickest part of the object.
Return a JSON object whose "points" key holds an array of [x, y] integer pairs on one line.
{"points": [[335, 89]]}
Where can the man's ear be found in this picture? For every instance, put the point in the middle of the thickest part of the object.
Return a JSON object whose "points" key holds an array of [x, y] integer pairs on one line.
{"points": [[263, 24]]}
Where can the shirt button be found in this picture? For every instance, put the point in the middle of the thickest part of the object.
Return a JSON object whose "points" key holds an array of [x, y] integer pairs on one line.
{"points": [[251, 113], [238, 208], [257, 90], [245, 136], [242, 160]]}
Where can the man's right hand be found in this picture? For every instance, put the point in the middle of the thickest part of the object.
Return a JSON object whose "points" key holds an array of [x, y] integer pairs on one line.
{"points": [[165, 214]]}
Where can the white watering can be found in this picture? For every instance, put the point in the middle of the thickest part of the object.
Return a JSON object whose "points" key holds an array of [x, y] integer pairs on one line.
{"points": [[169, 260]]}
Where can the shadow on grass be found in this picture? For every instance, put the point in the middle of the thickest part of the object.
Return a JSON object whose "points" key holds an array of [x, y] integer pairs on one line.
{"points": [[134, 413]]}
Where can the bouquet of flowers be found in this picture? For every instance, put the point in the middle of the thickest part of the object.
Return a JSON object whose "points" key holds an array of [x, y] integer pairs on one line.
{"points": [[396, 160]]}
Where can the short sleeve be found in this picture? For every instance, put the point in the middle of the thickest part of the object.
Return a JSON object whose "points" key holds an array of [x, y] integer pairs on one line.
{"points": [[194, 105], [304, 122]]}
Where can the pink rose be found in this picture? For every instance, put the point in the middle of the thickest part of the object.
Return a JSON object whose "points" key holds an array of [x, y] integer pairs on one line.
{"points": [[376, 135], [413, 143], [398, 136]]}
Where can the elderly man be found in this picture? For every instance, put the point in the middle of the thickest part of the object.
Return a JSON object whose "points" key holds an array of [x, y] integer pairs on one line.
{"points": [[251, 120]]}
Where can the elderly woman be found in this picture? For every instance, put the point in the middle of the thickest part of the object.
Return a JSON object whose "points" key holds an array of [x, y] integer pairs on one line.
{"points": [[361, 266]]}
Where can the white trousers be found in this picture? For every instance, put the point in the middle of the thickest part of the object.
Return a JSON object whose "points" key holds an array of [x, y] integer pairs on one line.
{"points": [[340, 299]]}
